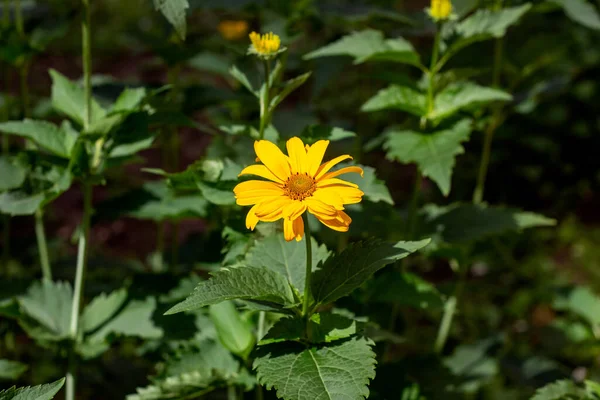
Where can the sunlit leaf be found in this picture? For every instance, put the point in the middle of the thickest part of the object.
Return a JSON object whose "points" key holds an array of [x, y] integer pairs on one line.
{"points": [[234, 333], [13, 174], [259, 285], [464, 95], [369, 45], [339, 370], [581, 11], [434, 153], [342, 274], [398, 98], [49, 305], [69, 99], [285, 258], [40, 392], [324, 328], [57, 140], [102, 308], [560, 390], [174, 11]]}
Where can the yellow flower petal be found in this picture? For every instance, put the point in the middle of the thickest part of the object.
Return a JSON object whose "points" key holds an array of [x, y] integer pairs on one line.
{"points": [[347, 194], [273, 158], [294, 210], [293, 229], [323, 169], [251, 218], [320, 209], [329, 197], [297, 155], [315, 154], [335, 181], [334, 224], [262, 171], [344, 170], [272, 209]]}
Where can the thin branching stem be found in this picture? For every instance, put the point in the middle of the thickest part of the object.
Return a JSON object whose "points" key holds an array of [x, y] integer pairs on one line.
{"points": [[42, 246], [264, 101]]}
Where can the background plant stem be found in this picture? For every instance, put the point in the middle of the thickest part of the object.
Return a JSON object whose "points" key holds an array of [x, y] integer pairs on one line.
{"points": [[307, 293], [494, 123], [450, 308], [84, 235], [5, 147], [40, 235]]}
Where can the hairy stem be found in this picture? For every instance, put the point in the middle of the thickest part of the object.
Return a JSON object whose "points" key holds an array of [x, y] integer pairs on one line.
{"points": [[435, 54], [307, 293], [40, 234], [5, 147]]}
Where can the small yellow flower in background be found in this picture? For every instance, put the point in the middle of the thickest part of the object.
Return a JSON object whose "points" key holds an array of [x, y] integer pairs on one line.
{"points": [[233, 30], [440, 9], [266, 45], [297, 183]]}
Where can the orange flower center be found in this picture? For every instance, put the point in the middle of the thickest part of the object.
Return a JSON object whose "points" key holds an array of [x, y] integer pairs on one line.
{"points": [[299, 186]]}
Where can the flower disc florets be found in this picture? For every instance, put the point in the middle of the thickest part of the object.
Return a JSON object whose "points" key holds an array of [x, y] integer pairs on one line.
{"points": [[265, 46], [440, 10]]}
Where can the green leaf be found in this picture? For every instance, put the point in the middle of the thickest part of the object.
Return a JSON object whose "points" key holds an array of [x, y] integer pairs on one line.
{"points": [[323, 328], [473, 364], [163, 203], [11, 370], [288, 87], [584, 303], [129, 100], [314, 133], [234, 333], [342, 274], [40, 392], [459, 223], [485, 22], [174, 11], [57, 140], [48, 303], [102, 308], [375, 189], [434, 153], [399, 98], [259, 285], [580, 11], [134, 320], [69, 99], [406, 289], [13, 174], [216, 194], [243, 79], [369, 45], [463, 95], [341, 370], [286, 258], [560, 390]]}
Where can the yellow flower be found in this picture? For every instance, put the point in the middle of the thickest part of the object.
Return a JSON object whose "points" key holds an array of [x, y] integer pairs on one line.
{"points": [[266, 45], [297, 183], [440, 9], [233, 30]]}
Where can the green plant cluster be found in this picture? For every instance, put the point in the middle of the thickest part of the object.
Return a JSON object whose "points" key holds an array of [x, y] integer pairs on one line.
{"points": [[470, 270]]}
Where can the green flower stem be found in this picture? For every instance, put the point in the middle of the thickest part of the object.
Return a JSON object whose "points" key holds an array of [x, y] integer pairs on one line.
{"points": [[42, 246], [307, 293], [450, 309], [84, 235], [19, 18], [413, 210], [265, 100]]}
